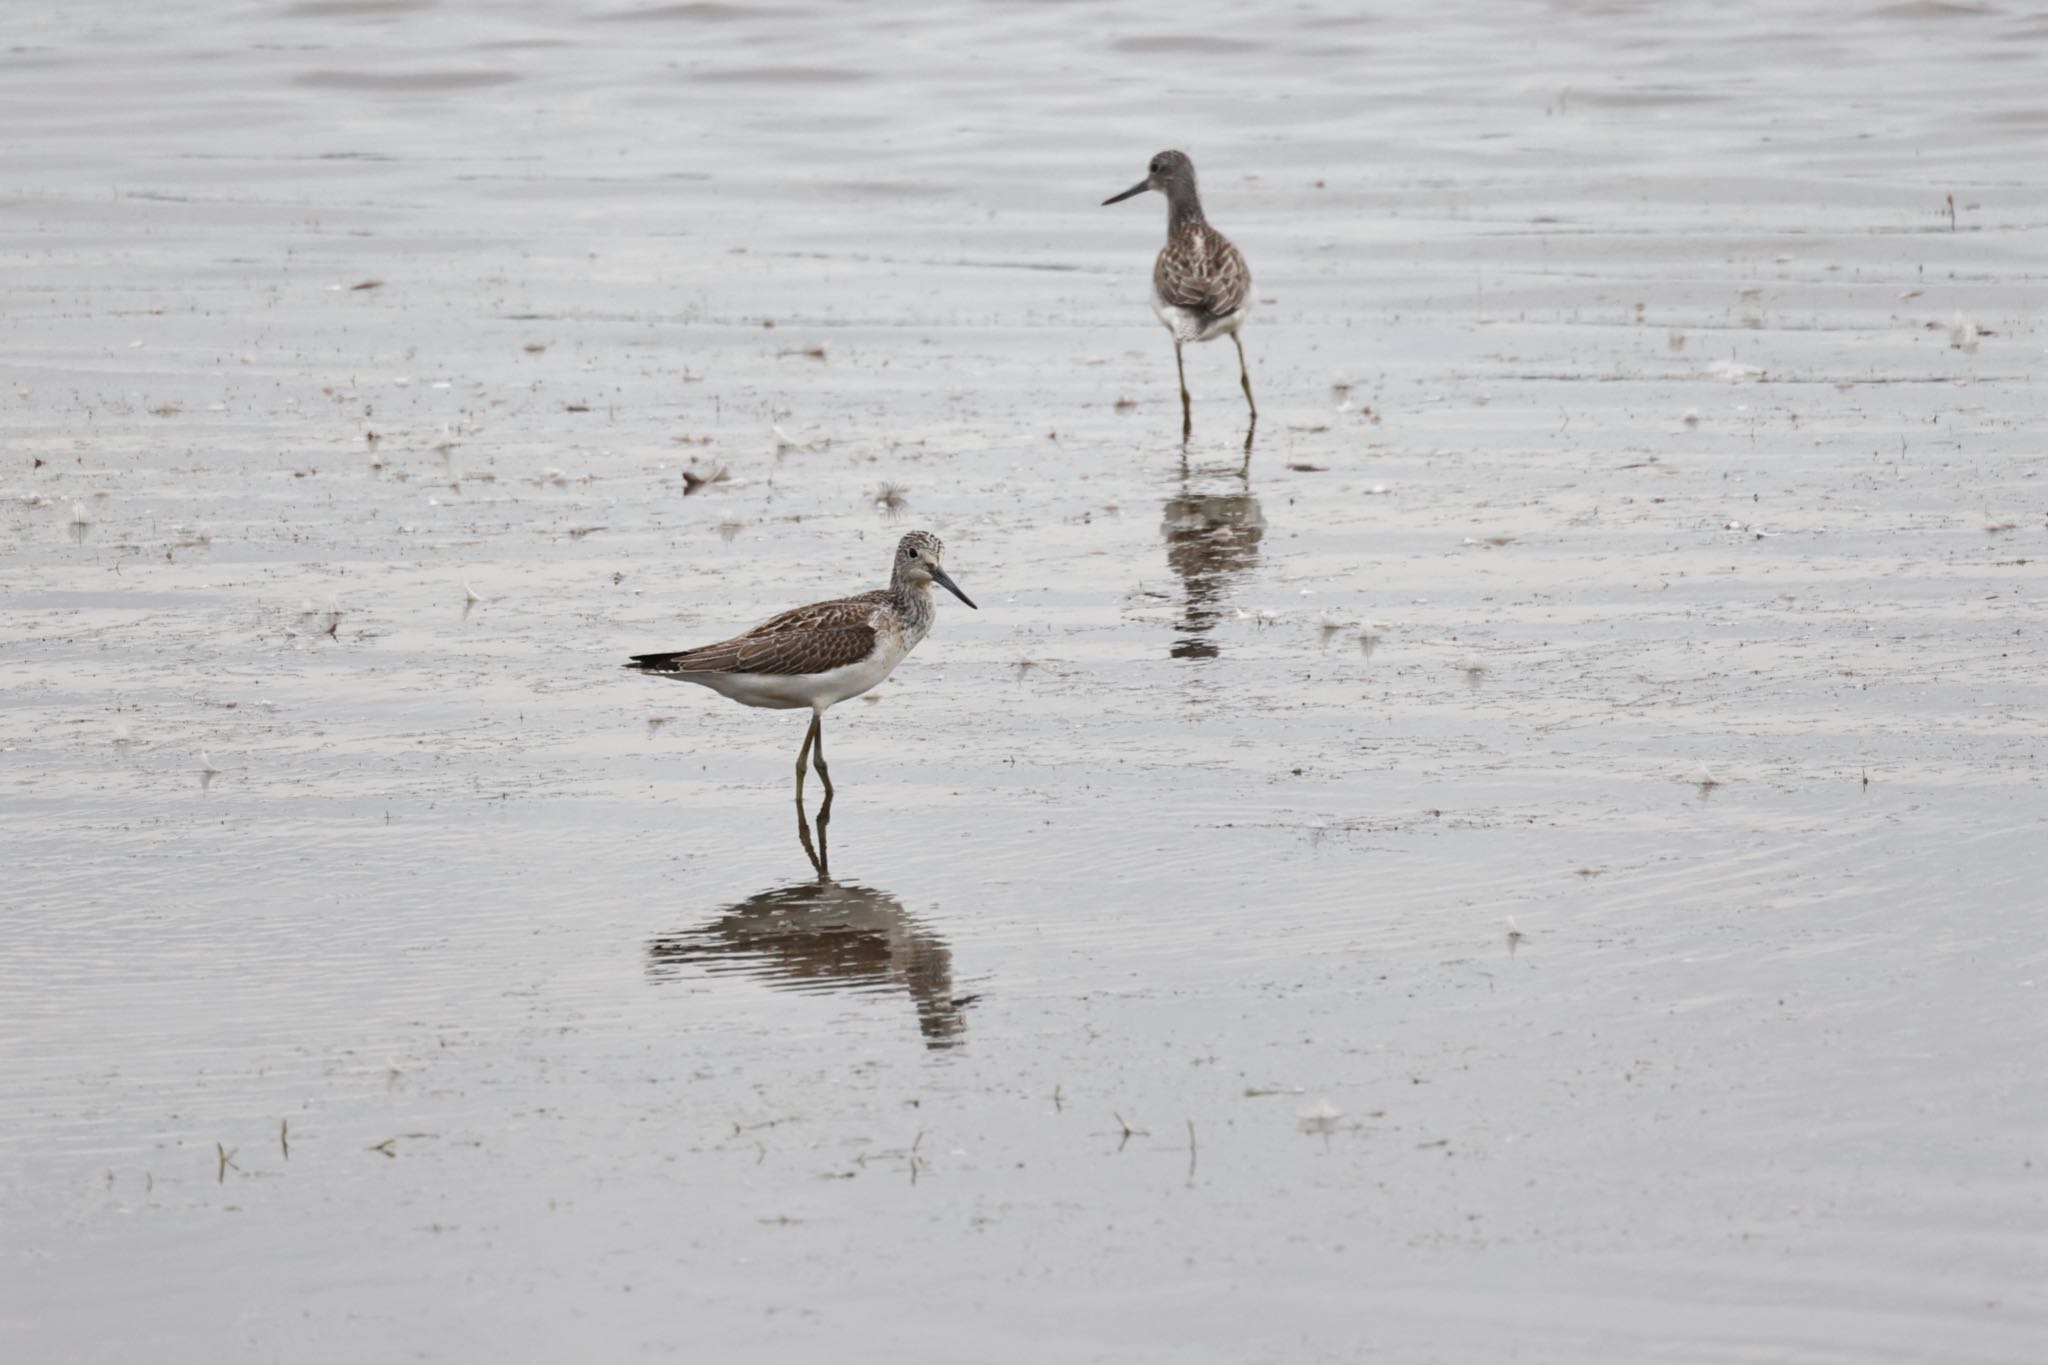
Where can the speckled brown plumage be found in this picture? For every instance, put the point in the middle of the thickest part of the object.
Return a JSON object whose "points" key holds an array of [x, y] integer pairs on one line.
{"points": [[1200, 270], [812, 639], [820, 655], [1201, 286], [877, 627]]}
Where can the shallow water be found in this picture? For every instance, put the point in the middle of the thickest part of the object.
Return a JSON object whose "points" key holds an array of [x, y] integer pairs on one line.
{"points": [[1630, 951]]}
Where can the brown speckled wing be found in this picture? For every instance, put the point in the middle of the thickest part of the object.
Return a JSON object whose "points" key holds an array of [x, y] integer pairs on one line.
{"points": [[840, 613], [1199, 269], [813, 639]]}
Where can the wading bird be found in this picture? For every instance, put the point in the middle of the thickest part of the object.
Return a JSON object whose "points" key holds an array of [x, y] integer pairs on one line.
{"points": [[1201, 287], [822, 654]]}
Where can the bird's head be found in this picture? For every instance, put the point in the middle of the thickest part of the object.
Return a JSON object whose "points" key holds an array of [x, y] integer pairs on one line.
{"points": [[920, 560], [1169, 171]]}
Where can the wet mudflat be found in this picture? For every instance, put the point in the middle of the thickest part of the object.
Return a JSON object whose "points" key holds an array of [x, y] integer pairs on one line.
{"points": [[1546, 866]]}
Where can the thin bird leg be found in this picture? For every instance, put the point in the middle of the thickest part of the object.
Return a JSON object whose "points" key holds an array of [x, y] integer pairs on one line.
{"points": [[803, 833], [824, 852], [1244, 377], [802, 756], [1187, 410], [818, 757], [819, 854]]}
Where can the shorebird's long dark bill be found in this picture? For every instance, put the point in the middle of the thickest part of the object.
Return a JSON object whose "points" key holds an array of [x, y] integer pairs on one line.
{"points": [[939, 577], [1138, 188]]}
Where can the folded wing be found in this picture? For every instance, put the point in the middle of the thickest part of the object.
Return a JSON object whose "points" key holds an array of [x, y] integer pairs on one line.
{"points": [[1200, 270], [813, 639]]}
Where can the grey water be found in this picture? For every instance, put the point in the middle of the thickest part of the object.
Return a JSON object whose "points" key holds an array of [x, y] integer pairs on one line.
{"points": [[1543, 866]]}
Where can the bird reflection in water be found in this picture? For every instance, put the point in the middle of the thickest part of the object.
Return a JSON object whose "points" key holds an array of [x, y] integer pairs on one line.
{"points": [[820, 936], [1212, 540]]}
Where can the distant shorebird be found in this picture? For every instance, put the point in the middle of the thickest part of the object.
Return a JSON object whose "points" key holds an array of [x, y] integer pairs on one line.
{"points": [[1201, 287], [822, 654]]}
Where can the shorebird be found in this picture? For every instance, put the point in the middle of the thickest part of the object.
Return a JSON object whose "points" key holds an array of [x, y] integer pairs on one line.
{"points": [[821, 654], [1201, 287]]}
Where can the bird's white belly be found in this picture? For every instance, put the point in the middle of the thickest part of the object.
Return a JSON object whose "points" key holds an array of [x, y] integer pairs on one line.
{"points": [[1188, 325], [787, 691]]}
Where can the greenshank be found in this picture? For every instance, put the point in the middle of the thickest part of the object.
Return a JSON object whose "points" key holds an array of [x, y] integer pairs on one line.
{"points": [[820, 655], [1201, 287]]}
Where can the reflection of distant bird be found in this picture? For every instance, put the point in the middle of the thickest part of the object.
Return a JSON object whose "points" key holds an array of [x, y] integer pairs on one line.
{"points": [[826, 936], [1212, 540]]}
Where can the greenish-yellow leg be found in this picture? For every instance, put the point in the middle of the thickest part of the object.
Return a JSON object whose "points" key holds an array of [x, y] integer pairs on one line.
{"points": [[818, 757], [803, 757], [1187, 407], [1244, 377]]}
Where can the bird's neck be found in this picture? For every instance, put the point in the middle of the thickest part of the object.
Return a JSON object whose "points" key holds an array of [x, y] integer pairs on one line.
{"points": [[1183, 208], [914, 605]]}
